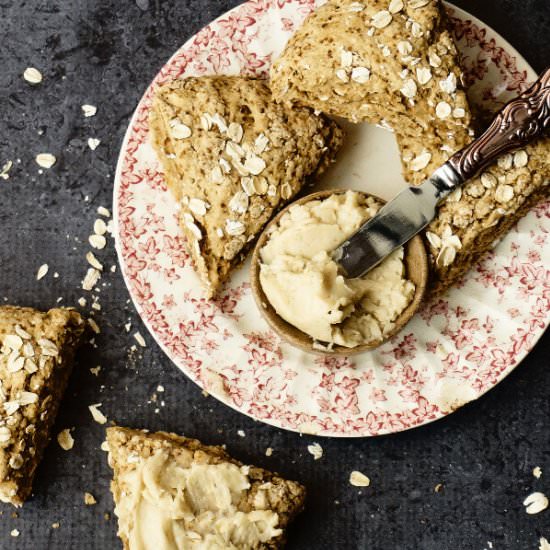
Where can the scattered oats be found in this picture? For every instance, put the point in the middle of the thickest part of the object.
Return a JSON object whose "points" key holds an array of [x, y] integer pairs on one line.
{"points": [[65, 439], [5, 434], [247, 184], [160, 389], [537, 472], [104, 446], [15, 362], [13, 341], [449, 84], [95, 370], [386, 52], [113, 268], [382, 19], [505, 162], [48, 347], [423, 74], [395, 6], [94, 325], [225, 166], [5, 170], [11, 407], [179, 130], [89, 110], [219, 121], [96, 306], [404, 47], [535, 503], [127, 327], [504, 193], [16, 461], [315, 450], [488, 180], [94, 262], [544, 544], [89, 499], [97, 241], [239, 202], [459, 112], [360, 75], [198, 207], [27, 398], [261, 143], [446, 256], [14, 533], [102, 211], [420, 162], [416, 30], [435, 60], [45, 160], [409, 88], [234, 228], [342, 75], [433, 239], [241, 433], [443, 109], [140, 340], [235, 132], [357, 479], [415, 4], [356, 7], [219, 232], [90, 280], [93, 143], [268, 451], [100, 227], [82, 301], [32, 75], [195, 229], [97, 415], [346, 59], [521, 158]]}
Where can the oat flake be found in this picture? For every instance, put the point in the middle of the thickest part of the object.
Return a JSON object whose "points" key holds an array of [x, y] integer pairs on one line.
{"points": [[315, 450], [93, 143], [424, 75], [537, 472], [97, 415], [92, 277], [395, 6], [5, 170], [535, 503], [521, 158], [89, 110], [140, 340], [360, 75], [65, 440], [420, 162], [544, 544], [32, 75], [102, 211], [409, 88], [45, 160], [382, 19], [97, 241], [358, 479], [94, 262]]}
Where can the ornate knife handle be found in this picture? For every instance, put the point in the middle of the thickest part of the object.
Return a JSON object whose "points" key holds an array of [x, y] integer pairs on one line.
{"points": [[519, 122]]}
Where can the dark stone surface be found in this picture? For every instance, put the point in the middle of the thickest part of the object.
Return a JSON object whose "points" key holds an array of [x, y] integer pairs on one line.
{"points": [[105, 52]]}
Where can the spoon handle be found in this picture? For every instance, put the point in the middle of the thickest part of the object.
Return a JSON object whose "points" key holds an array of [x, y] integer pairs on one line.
{"points": [[516, 124]]}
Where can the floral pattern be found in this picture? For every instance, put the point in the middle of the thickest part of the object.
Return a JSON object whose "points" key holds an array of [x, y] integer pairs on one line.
{"points": [[450, 354]]}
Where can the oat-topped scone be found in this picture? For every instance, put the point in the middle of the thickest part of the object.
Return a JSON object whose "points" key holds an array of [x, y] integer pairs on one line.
{"points": [[36, 355], [231, 157], [174, 492], [387, 62]]}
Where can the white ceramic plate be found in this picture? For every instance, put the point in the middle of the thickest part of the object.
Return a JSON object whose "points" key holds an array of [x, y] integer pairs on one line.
{"points": [[455, 350]]}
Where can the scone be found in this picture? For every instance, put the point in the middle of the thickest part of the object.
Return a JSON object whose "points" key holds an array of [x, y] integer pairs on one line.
{"points": [[36, 356], [174, 492], [387, 62], [231, 158]]}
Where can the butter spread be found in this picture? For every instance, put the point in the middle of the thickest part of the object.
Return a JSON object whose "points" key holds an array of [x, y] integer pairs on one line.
{"points": [[302, 283], [170, 507]]}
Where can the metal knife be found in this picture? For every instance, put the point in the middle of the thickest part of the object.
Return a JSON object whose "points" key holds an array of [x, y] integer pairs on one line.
{"points": [[519, 122]]}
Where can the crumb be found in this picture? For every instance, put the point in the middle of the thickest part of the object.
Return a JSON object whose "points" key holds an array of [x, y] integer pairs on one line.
{"points": [[106, 516], [160, 389], [537, 472], [358, 479], [205, 393], [97, 415], [89, 110], [241, 433], [140, 340], [89, 499], [5, 170], [315, 450], [14, 533], [65, 439], [127, 327], [55, 525], [45, 160], [93, 143], [94, 325], [268, 451], [438, 488], [42, 272]]}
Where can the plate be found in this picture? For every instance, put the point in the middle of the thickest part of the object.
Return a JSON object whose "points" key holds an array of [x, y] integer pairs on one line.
{"points": [[453, 351]]}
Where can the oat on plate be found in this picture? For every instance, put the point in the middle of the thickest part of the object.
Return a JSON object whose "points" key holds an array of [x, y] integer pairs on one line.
{"points": [[36, 355], [392, 63], [231, 158], [172, 492]]}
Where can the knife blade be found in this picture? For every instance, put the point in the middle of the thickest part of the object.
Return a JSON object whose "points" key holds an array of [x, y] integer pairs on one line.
{"points": [[396, 223]]}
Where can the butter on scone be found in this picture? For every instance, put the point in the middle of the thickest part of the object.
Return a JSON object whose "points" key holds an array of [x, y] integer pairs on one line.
{"points": [[36, 356], [302, 282], [174, 493], [387, 62], [231, 158]]}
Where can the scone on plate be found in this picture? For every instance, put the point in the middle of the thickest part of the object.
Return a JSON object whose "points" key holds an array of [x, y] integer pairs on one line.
{"points": [[174, 492], [36, 356], [231, 158], [387, 62]]}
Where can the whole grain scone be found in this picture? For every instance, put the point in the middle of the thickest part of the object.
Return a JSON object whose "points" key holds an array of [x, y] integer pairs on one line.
{"points": [[387, 62], [174, 492], [232, 157], [36, 356]]}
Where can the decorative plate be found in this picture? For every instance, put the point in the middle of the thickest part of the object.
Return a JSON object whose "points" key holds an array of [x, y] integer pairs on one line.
{"points": [[455, 350]]}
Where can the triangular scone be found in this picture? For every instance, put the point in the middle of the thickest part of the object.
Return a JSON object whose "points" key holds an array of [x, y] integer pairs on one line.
{"points": [[36, 356], [173, 492], [232, 157], [387, 62]]}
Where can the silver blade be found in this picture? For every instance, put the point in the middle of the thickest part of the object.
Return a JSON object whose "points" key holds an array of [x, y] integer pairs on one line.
{"points": [[395, 224]]}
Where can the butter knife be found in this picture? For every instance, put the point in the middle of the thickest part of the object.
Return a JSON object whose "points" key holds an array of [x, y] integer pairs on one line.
{"points": [[519, 122]]}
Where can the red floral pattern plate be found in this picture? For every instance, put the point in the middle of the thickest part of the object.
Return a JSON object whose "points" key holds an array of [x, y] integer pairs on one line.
{"points": [[455, 350]]}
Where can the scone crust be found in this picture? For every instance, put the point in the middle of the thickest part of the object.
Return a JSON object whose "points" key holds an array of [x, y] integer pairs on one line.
{"points": [[236, 203], [285, 497], [29, 426]]}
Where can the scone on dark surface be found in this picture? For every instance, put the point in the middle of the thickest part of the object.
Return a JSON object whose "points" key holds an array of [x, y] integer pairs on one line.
{"points": [[36, 356], [232, 157], [174, 493], [387, 62]]}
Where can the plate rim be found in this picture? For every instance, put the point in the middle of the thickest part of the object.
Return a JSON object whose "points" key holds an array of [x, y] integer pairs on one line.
{"points": [[463, 14]]}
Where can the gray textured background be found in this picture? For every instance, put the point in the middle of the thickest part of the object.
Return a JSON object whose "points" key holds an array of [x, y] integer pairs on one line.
{"points": [[105, 52]]}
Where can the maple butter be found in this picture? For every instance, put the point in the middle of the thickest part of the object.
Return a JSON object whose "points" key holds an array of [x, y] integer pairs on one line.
{"points": [[301, 280]]}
